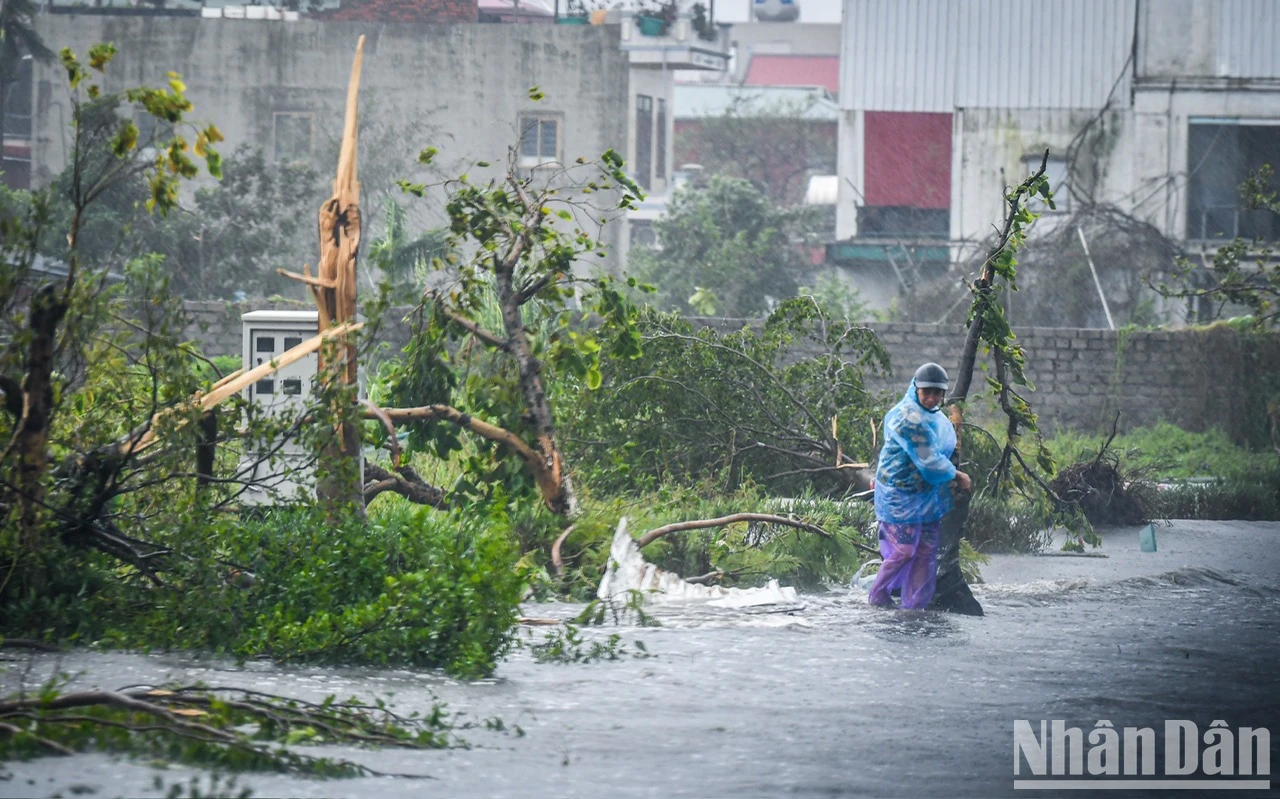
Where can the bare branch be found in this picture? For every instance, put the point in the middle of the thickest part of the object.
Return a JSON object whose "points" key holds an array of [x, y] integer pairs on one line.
{"points": [[699, 524]]}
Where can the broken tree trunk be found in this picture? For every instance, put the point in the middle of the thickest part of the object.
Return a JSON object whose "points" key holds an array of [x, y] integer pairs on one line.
{"points": [[334, 290], [31, 436], [553, 480], [952, 591]]}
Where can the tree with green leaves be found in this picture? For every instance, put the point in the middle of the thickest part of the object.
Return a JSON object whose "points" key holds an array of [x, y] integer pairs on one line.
{"points": [[725, 250], [782, 406], [225, 238], [515, 285], [405, 260], [57, 328]]}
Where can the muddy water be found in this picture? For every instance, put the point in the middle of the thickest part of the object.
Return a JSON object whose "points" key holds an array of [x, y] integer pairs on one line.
{"points": [[834, 699]]}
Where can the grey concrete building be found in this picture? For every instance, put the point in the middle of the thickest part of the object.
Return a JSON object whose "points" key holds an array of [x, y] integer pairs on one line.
{"points": [[280, 85]]}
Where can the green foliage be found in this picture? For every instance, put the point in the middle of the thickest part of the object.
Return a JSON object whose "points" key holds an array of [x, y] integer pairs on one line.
{"points": [[1254, 497], [839, 299], [404, 261], [729, 242], [749, 405], [1009, 524], [1178, 474], [95, 120], [514, 319], [999, 273], [568, 645], [408, 587], [229, 239], [218, 727], [1164, 452]]}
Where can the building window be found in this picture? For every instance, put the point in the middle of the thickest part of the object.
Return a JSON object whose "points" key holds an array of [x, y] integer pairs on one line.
{"points": [[1220, 155], [660, 152], [1055, 169], [540, 140], [644, 140], [292, 135], [17, 128]]}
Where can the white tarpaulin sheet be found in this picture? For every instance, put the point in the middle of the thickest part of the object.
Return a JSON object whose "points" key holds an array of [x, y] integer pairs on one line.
{"points": [[628, 571]]}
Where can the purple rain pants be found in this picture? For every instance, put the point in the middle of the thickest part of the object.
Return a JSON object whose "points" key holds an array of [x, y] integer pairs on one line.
{"points": [[910, 553]]}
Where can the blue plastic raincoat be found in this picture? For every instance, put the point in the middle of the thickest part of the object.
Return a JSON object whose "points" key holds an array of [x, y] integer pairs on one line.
{"points": [[915, 463]]}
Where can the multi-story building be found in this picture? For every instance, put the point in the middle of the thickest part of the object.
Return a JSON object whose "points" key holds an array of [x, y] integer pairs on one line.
{"points": [[1156, 109]]}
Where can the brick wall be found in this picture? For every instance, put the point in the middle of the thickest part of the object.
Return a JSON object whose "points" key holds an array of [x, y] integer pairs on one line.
{"points": [[1197, 379]]}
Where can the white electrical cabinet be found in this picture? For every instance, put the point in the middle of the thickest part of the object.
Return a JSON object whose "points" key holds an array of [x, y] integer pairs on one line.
{"points": [[274, 470]]}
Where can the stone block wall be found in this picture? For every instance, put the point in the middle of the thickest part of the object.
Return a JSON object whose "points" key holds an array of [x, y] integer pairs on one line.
{"points": [[1194, 378], [1197, 379]]}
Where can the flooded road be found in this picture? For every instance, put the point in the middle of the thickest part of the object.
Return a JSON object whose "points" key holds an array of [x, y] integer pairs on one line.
{"points": [[834, 699]]}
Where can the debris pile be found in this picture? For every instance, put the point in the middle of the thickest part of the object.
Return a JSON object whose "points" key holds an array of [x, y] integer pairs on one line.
{"points": [[1100, 490]]}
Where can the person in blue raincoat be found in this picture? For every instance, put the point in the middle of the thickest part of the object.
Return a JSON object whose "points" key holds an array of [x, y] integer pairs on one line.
{"points": [[913, 491]]}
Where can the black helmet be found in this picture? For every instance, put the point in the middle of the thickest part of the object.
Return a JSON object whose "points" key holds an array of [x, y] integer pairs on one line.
{"points": [[931, 376]]}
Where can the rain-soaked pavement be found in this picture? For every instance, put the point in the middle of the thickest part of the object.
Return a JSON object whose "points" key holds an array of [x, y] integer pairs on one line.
{"points": [[834, 699]]}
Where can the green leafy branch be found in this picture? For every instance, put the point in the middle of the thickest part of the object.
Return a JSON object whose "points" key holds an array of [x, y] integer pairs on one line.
{"points": [[989, 327]]}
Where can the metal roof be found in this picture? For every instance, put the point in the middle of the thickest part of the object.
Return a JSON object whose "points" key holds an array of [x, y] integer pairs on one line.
{"points": [[938, 55], [1248, 32]]}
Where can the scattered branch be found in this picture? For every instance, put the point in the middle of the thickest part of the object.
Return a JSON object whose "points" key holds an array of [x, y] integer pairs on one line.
{"points": [[699, 524]]}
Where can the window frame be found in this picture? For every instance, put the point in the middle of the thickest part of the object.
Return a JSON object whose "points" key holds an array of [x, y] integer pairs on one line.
{"points": [[527, 118], [1244, 221]]}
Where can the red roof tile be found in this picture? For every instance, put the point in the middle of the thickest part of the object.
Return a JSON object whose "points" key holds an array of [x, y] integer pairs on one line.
{"points": [[795, 70]]}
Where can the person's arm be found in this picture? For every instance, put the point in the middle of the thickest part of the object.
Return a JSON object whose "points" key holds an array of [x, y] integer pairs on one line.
{"points": [[922, 447]]}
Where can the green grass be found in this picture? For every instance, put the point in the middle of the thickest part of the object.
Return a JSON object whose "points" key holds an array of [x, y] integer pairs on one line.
{"points": [[1166, 452]]}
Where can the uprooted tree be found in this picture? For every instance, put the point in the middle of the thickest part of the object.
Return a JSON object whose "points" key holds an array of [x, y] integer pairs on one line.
{"points": [[782, 405]]}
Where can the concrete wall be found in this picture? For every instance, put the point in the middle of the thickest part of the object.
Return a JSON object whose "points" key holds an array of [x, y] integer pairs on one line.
{"points": [[460, 88], [1196, 379]]}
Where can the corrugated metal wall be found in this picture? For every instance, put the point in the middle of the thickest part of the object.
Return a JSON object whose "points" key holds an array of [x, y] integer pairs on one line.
{"points": [[938, 55], [1248, 38]]}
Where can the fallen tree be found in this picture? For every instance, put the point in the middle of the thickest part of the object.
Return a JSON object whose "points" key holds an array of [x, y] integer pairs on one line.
{"points": [[234, 727], [783, 404]]}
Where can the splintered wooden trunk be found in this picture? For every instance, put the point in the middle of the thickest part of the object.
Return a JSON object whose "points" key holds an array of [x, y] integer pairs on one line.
{"points": [[341, 476]]}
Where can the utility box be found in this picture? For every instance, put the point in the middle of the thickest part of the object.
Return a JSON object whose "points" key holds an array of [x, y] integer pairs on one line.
{"points": [[279, 471]]}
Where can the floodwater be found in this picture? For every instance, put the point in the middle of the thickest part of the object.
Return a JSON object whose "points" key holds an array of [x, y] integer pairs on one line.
{"points": [[834, 699]]}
